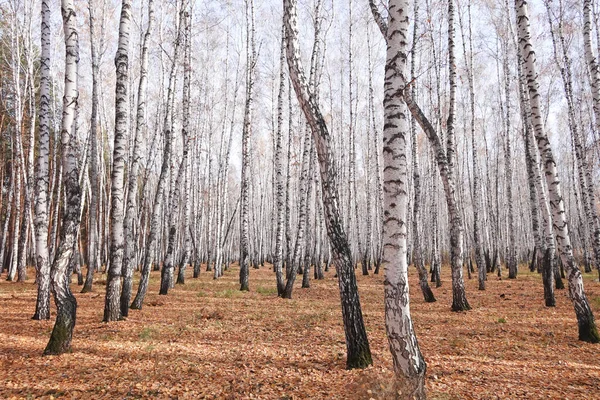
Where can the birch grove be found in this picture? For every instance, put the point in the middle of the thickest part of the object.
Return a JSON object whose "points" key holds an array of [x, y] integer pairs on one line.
{"points": [[453, 144]]}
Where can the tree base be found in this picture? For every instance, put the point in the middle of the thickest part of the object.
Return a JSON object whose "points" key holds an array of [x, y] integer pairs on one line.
{"points": [[412, 388], [60, 339], [135, 306], [460, 305], [588, 332], [428, 295], [360, 360], [38, 317]]}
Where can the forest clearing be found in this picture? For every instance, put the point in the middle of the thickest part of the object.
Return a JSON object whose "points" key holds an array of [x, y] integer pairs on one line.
{"points": [[209, 340]]}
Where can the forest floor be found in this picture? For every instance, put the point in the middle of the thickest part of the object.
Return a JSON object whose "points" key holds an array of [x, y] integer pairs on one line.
{"points": [[208, 340]]}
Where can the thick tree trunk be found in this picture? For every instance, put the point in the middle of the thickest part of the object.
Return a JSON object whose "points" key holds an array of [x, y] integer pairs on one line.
{"points": [[306, 174], [409, 365], [112, 305], [459, 298], [62, 333]]}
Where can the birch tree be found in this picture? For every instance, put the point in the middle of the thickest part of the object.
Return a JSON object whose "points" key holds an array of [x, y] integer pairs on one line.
{"points": [[166, 278], [66, 304], [278, 256], [42, 307], [246, 133], [112, 306], [409, 365]]}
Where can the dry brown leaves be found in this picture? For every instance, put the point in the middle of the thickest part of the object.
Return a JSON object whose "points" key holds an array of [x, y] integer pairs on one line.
{"points": [[208, 340]]}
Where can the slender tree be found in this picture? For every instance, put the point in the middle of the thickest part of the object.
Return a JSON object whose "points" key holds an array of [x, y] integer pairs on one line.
{"points": [[166, 277], [42, 306], [278, 256], [246, 132]]}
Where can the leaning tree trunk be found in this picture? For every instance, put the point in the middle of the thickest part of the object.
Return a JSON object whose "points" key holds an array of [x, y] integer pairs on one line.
{"points": [[583, 170], [42, 306], [409, 365], [357, 345], [62, 333], [585, 317], [112, 305], [446, 161], [306, 169], [169, 263], [129, 256]]}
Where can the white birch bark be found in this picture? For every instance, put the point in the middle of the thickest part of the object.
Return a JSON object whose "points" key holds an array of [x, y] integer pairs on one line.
{"points": [[279, 197], [409, 365], [187, 70], [417, 250], [247, 131], [166, 277], [62, 333], [42, 307], [112, 305]]}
